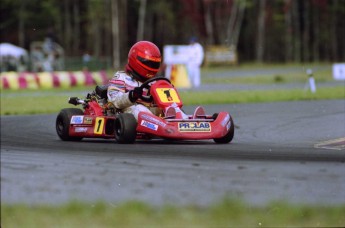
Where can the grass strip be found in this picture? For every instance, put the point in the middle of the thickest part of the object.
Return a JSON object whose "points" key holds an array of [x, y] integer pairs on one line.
{"points": [[227, 213], [257, 96], [47, 102], [267, 79]]}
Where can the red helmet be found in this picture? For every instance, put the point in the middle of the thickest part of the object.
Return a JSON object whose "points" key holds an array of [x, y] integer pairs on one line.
{"points": [[144, 60]]}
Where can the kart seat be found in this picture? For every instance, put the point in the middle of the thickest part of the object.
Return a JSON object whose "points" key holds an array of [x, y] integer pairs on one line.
{"points": [[101, 90]]}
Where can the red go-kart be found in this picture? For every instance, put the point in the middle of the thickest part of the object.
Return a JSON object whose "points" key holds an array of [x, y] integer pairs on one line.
{"points": [[100, 119]]}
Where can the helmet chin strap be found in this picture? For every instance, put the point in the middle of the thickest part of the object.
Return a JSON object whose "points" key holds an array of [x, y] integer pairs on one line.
{"points": [[134, 74]]}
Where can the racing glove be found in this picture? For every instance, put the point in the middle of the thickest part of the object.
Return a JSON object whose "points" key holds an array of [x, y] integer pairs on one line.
{"points": [[135, 94]]}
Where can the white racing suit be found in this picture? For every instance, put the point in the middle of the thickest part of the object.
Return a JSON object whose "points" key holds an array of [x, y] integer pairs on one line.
{"points": [[118, 94], [118, 91]]}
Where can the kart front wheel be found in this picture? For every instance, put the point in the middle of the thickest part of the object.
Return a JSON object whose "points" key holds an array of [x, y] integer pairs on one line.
{"points": [[63, 121], [125, 128], [229, 136]]}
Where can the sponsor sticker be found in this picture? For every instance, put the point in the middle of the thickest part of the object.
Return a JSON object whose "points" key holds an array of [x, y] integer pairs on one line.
{"points": [[80, 129], [149, 125], [152, 119], [194, 127], [77, 119], [88, 120]]}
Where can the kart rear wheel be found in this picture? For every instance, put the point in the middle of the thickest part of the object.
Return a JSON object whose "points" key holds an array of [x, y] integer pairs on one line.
{"points": [[229, 136], [125, 128], [63, 121]]}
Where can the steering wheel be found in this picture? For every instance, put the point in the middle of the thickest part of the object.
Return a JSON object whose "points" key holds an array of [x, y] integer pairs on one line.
{"points": [[146, 85]]}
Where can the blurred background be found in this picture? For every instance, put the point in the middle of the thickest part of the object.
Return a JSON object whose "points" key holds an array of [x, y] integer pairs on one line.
{"points": [[71, 34]]}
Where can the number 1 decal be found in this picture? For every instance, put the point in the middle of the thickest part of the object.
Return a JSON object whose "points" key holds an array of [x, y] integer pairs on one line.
{"points": [[99, 126], [168, 95]]}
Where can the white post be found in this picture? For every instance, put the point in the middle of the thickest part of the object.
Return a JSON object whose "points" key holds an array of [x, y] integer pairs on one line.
{"points": [[311, 80]]}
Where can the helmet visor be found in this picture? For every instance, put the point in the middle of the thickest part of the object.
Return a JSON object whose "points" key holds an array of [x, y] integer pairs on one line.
{"points": [[149, 63]]}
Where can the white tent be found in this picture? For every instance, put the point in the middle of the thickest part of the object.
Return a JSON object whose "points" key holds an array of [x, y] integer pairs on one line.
{"points": [[7, 49], [13, 58]]}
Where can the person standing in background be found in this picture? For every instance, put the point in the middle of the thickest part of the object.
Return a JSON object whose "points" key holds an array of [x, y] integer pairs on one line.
{"points": [[196, 57], [86, 61]]}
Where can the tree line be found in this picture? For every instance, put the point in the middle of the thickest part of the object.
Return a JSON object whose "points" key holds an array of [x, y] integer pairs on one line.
{"points": [[260, 30]]}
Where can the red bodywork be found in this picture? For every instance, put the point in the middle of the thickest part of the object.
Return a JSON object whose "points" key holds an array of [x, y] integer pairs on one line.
{"points": [[95, 124]]}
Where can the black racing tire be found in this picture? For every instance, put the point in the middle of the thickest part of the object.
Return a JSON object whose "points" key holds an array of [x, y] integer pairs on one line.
{"points": [[125, 128], [229, 136], [63, 122]]}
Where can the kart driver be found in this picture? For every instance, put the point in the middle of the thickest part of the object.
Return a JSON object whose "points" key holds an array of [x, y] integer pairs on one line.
{"points": [[144, 60]]}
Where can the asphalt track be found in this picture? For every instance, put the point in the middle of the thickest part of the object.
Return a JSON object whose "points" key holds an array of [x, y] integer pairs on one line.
{"points": [[281, 151]]}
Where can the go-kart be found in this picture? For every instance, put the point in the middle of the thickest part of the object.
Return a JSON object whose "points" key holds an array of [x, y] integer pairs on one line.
{"points": [[100, 118]]}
